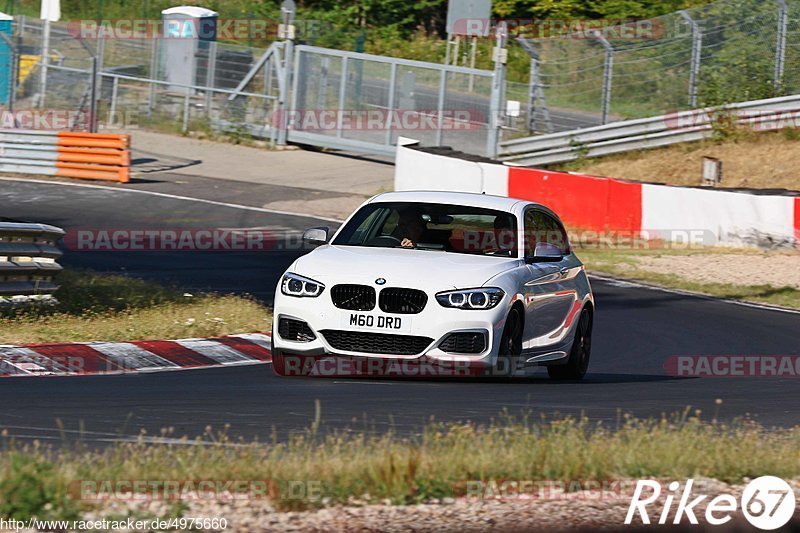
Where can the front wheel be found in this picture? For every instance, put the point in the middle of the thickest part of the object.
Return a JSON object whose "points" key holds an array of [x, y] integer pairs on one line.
{"points": [[578, 361], [510, 345]]}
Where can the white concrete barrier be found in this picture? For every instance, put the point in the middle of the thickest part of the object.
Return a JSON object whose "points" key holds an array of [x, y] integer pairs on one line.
{"points": [[704, 216]]}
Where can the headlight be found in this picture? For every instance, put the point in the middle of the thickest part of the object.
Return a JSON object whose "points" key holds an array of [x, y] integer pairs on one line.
{"points": [[484, 298], [294, 285]]}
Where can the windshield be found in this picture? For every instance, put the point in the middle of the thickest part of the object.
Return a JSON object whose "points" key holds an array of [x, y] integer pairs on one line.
{"points": [[443, 227]]}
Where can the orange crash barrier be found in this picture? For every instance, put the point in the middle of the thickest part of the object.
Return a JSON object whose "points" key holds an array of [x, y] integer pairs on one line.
{"points": [[103, 156]]}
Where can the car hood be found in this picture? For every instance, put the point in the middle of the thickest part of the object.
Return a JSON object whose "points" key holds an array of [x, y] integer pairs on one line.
{"points": [[400, 267]]}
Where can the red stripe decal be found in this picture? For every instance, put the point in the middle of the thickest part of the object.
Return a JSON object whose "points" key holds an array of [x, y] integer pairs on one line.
{"points": [[246, 347], [797, 222], [175, 353], [77, 358]]}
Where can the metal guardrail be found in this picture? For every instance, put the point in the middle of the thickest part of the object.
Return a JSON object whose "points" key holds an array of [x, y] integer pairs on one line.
{"points": [[624, 136], [66, 154], [28, 255]]}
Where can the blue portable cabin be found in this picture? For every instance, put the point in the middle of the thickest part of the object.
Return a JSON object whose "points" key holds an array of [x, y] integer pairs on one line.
{"points": [[5, 59]]}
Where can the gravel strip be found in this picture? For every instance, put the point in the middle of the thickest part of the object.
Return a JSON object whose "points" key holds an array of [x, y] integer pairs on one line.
{"points": [[555, 512], [778, 270]]}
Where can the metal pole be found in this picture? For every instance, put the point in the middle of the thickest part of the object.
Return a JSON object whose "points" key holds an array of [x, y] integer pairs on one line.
{"points": [[392, 82], [607, 74], [272, 129], [472, 61], [533, 80], [322, 89], [289, 57], [498, 89], [12, 97], [185, 126], [93, 98], [98, 73], [101, 50], [285, 107], [342, 91], [694, 67], [113, 112], [440, 107], [154, 51], [268, 75], [211, 71], [45, 61], [780, 46]]}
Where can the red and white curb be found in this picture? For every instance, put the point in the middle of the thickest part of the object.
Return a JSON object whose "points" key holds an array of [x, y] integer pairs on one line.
{"points": [[62, 359]]}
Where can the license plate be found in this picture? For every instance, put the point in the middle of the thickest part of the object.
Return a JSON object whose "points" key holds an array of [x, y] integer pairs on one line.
{"points": [[376, 322]]}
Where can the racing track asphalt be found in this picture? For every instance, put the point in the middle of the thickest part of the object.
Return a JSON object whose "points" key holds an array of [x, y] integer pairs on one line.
{"points": [[636, 329]]}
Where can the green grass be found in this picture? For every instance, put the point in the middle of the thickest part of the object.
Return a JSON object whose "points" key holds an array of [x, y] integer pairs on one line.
{"points": [[94, 306], [623, 264], [35, 479]]}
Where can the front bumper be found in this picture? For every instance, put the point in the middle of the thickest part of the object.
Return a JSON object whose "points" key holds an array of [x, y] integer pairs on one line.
{"points": [[434, 322]]}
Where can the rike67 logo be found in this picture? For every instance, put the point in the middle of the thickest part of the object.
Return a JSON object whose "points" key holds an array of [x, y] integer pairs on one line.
{"points": [[767, 502]]}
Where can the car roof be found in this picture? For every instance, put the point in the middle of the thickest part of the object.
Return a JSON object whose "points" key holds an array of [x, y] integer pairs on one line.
{"points": [[487, 201]]}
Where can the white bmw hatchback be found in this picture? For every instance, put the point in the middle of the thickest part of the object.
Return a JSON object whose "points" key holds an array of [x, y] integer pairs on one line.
{"points": [[441, 280]]}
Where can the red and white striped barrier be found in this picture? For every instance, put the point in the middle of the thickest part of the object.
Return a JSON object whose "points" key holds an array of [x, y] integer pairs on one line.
{"points": [[137, 356], [717, 217]]}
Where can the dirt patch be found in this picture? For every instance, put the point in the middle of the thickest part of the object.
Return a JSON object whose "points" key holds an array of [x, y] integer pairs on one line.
{"points": [[762, 161], [736, 269]]}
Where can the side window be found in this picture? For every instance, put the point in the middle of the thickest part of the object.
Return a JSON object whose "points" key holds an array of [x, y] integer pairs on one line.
{"points": [[541, 227], [531, 222]]}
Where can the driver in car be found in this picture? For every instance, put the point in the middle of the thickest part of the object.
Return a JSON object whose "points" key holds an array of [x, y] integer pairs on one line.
{"points": [[411, 227]]}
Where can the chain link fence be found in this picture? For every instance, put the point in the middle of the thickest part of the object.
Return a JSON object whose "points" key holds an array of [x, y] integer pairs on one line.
{"points": [[244, 90], [132, 88], [726, 51]]}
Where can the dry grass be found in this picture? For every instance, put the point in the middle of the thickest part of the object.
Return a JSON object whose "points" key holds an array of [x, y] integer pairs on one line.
{"points": [[762, 161], [96, 307], [405, 470]]}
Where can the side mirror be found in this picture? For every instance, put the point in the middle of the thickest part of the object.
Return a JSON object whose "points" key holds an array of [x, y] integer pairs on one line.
{"points": [[316, 236], [546, 252]]}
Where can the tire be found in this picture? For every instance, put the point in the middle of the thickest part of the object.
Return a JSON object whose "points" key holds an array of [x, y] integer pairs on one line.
{"points": [[578, 361], [510, 345]]}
